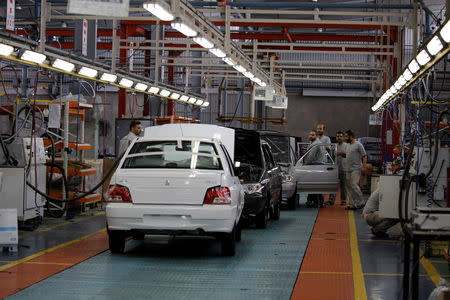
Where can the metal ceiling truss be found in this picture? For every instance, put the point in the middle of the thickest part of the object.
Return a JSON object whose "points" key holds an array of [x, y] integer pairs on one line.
{"points": [[262, 35]]}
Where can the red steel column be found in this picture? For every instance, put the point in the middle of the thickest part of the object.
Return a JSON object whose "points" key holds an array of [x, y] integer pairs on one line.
{"points": [[147, 53], [170, 72], [122, 103]]}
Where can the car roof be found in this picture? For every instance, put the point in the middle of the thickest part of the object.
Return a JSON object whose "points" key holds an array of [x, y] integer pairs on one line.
{"points": [[174, 138], [273, 132]]}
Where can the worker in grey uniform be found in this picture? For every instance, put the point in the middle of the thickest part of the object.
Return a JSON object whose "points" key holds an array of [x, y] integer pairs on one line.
{"points": [[371, 215], [322, 139], [314, 156], [356, 164], [135, 131], [341, 149]]}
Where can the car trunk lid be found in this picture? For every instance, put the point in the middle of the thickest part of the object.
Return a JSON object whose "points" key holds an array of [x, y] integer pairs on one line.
{"points": [[186, 187]]}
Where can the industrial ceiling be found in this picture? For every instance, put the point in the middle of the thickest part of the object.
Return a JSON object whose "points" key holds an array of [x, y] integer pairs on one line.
{"points": [[305, 46]]}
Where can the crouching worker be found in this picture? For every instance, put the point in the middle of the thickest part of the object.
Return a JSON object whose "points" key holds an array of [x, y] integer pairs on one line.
{"points": [[371, 216]]}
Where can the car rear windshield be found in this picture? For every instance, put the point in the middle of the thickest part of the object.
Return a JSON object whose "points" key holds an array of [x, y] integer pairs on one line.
{"points": [[280, 147], [248, 152], [175, 154]]}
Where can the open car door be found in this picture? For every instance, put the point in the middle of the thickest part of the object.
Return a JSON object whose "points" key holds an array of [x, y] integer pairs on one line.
{"points": [[316, 172]]}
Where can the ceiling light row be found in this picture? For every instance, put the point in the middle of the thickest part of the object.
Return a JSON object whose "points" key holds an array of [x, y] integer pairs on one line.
{"points": [[433, 48], [162, 10], [69, 67]]}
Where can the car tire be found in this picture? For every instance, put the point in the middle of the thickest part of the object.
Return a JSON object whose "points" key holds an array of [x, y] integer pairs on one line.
{"points": [[261, 218], [292, 201], [228, 243], [139, 236], [116, 241], [238, 235], [275, 212]]}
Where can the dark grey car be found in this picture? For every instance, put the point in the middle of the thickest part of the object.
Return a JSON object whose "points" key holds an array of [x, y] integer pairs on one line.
{"points": [[260, 176]]}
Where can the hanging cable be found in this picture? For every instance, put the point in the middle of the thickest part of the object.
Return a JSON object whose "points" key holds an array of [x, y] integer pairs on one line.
{"points": [[3, 81], [113, 167]]}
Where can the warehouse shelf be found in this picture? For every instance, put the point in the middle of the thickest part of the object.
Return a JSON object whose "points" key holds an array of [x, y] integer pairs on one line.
{"points": [[174, 120], [72, 145], [75, 172]]}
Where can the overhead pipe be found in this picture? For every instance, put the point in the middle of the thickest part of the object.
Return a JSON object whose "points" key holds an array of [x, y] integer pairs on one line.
{"points": [[298, 5], [280, 5]]}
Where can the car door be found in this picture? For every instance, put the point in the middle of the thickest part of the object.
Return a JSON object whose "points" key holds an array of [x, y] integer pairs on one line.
{"points": [[319, 176], [235, 179], [273, 172]]}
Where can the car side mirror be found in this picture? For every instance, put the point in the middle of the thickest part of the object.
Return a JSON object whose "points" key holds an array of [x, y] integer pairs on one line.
{"points": [[237, 164]]}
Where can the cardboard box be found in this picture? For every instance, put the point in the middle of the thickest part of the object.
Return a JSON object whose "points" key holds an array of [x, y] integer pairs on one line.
{"points": [[8, 227]]}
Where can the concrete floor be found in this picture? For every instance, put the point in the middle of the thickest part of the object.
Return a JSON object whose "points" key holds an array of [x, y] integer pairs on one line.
{"points": [[267, 264]]}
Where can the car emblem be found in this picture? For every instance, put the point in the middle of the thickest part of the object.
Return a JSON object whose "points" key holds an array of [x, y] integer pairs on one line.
{"points": [[167, 182]]}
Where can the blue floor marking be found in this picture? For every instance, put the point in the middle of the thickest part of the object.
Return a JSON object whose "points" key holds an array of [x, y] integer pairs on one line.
{"points": [[266, 266]]}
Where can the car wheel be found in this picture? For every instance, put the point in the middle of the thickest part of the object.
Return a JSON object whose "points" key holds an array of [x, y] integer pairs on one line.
{"points": [[116, 241], [228, 243], [139, 236], [292, 202], [238, 231], [275, 212], [261, 218]]}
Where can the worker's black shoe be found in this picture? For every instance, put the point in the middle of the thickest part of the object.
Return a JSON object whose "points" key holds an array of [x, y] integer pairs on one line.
{"points": [[380, 234], [350, 208]]}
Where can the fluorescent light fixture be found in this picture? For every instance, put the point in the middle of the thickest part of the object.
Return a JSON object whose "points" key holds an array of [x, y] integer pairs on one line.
{"points": [[423, 57], [205, 104], [248, 75], [63, 65], [239, 68], [389, 92], [108, 77], [153, 90], [175, 96], [263, 84], [164, 93], [398, 85], [182, 27], [199, 102], [413, 66], [88, 72], [434, 45], [402, 80], [229, 61], [35, 57], [6, 50], [204, 42], [126, 82], [159, 9], [140, 86], [184, 98], [407, 74], [192, 100], [255, 80], [217, 52], [445, 32]]}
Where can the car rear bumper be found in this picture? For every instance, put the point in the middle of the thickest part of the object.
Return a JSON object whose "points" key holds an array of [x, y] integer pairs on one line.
{"points": [[254, 204], [154, 218]]}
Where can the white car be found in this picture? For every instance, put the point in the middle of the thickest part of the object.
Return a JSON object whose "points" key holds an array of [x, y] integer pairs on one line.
{"points": [[176, 184]]}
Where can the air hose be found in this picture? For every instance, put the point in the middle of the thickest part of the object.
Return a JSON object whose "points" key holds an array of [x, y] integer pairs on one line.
{"points": [[48, 197]]}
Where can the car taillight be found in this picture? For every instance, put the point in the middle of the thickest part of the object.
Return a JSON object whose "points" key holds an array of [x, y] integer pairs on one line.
{"points": [[217, 195], [118, 193]]}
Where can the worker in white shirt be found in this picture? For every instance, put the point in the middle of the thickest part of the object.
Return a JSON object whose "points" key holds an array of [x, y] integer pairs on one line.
{"points": [[356, 165]]}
